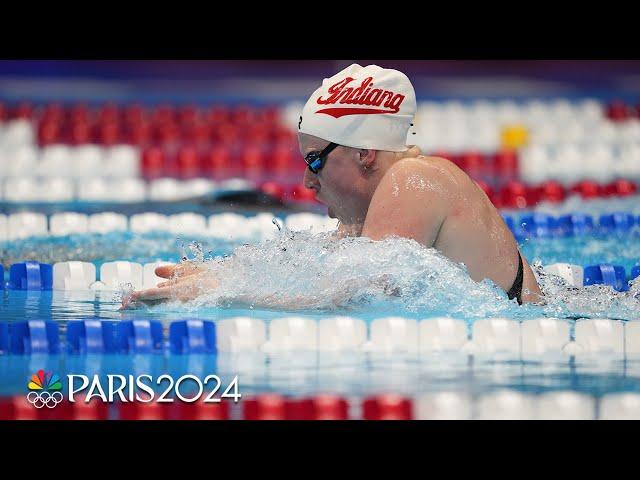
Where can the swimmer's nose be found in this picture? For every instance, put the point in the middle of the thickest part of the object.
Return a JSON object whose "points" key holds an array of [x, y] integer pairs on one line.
{"points": [[310, 180]]}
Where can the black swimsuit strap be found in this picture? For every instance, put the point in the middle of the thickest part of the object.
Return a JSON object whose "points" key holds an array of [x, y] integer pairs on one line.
{"points": [[516, 290]]}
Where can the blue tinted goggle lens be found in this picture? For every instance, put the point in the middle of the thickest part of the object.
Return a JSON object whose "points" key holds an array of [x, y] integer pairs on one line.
{"points": [[316, 165], [315, 160]]}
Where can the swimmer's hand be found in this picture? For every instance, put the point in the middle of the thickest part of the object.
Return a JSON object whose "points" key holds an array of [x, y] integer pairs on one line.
{"points": [[185, 283], [182, 269]]}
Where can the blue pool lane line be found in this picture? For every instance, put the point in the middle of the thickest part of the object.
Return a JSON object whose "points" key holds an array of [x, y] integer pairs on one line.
{"points": [[91, 337], [33, 337], [4, 338], [575, 224], [616, 222], [139, 336], [542, 225], [192, 336], [94, 336], [38, 276], [30, 275], [612, 275]]}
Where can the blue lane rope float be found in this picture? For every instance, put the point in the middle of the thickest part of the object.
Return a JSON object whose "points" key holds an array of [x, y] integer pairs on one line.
{"points": [[616, 222], [30, 275], [539, 225], [139, 336], [34, 336], [612, 275], [192, 336], [91, 336], [575, 224], [4, 338], [635, 272]]}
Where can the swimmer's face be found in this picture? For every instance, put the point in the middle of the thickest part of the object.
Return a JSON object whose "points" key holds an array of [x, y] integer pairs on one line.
{"points": [[339, 183]]}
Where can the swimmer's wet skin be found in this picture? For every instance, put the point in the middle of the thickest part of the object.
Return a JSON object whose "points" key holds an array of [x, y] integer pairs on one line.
{"points": [[353, 133]]}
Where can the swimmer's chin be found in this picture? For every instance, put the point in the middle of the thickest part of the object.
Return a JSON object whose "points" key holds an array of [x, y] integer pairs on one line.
{"points": [[331, 213]]}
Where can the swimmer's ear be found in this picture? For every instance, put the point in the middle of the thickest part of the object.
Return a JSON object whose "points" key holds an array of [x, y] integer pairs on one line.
{"points": [[366, 158]]}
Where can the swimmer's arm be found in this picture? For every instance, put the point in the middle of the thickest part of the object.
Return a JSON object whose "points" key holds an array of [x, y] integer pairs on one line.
{"points": [[186, 281], [407, 203]]}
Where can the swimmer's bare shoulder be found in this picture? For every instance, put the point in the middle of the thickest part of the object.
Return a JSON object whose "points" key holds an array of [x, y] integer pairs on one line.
{"points": [[411, 201]]}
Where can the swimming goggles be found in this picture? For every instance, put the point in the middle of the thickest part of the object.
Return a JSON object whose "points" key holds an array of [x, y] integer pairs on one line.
{"points": [[316, 160]]}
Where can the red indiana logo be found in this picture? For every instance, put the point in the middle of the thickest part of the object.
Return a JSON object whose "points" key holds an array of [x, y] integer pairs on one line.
{"points": [[365, 94]]}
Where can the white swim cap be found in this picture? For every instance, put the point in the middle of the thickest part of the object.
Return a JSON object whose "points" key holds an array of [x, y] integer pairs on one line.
{"points": [[362, 107]]}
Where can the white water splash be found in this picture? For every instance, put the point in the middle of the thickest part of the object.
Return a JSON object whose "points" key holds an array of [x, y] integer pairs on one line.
{"points": [[302, 271]]}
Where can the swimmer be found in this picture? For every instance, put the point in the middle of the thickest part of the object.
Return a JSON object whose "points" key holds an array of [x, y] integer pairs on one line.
{"points": [[353, 135]]}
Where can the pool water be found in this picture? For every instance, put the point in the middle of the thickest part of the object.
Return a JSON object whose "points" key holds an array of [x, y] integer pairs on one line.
{"points": [[317, 277]]}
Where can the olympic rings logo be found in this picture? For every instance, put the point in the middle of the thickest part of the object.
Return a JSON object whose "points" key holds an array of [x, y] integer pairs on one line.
{"points": [[44, 399]]}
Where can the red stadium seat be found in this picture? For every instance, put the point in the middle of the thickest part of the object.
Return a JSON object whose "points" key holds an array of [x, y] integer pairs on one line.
{"points": [[188, 114], [215, 161], [107, 133], [153, 162], [22, 110], [218, 114], [252, 159], [505, 163], [282, 159], [166, 133], [196, 132], [258, 133], [109, 113], [79, 113], [618, 111], [269, 114], [163, 114], [473, 163], [134, 114], [226, 133], [188, 162], [53, 112], [243, 115], [138, 134], [283, 135], [79, 133], [49, 132]]}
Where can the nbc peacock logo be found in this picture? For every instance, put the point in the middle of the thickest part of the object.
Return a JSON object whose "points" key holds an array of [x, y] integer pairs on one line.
{"points": [[44, 390]]}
